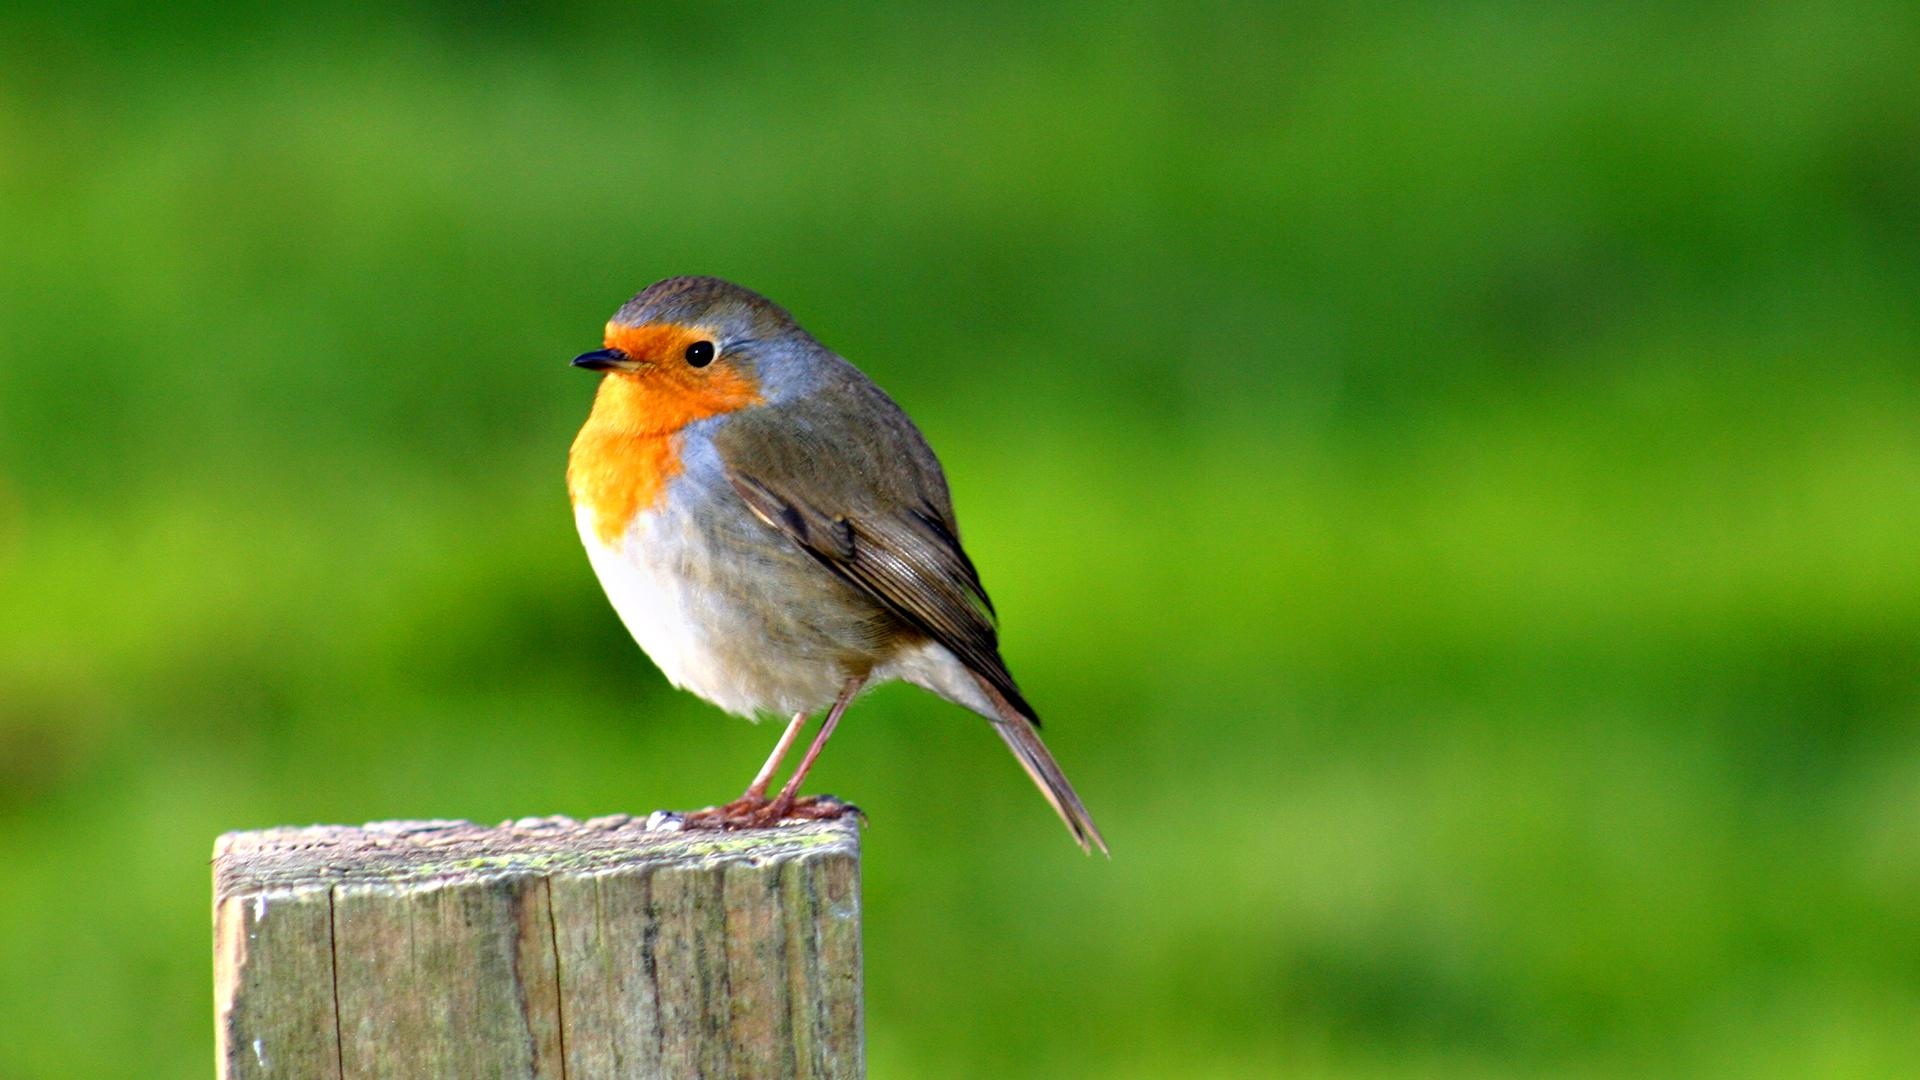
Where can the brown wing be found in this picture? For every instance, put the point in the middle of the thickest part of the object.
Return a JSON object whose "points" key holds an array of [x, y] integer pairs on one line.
{"points": [[869, 503]]}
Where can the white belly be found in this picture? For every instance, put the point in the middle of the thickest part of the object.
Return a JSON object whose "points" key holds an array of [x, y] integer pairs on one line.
{"points": [[680, 595]]}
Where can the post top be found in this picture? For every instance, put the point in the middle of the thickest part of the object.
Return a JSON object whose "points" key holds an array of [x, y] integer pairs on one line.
{"points": [[384, 852]]}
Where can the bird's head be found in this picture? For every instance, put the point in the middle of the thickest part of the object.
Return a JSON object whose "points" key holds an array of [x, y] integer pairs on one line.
{"points": [[702, 346]]}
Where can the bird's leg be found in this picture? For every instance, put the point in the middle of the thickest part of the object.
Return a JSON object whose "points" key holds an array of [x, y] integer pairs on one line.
{"points": [[752, 809], [757, 791], [784, 804], [744, 810]]}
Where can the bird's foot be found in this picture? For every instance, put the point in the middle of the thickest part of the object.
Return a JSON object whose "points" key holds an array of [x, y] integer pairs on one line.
{"points": [[759, 812], [733, 815], [814, 808]]}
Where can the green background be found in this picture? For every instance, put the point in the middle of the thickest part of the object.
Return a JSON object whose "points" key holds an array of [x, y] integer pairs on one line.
{"points": [[1450, 476]]}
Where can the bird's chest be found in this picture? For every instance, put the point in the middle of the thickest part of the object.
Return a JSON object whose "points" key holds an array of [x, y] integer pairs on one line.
{"points": [[664, 575], [708, 592]]}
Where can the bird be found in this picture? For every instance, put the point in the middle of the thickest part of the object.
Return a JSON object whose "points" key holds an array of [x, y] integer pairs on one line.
{"points": [[778, 536]]}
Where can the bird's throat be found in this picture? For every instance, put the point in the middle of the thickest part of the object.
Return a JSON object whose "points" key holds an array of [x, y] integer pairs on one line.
{"points": [[629, 448]]}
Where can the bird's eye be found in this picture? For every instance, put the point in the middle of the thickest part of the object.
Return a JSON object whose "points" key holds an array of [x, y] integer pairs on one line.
{"points": [[700, 353]]}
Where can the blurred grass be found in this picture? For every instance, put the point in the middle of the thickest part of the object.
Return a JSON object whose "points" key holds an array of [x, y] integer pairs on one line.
{"points": [[1451, 477]]}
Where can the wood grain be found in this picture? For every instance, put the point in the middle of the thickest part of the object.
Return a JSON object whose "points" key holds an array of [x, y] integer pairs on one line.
{"points": [[544, 948]]}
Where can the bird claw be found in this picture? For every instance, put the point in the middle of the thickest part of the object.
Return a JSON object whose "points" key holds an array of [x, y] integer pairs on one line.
{"points": [[756, 812]]}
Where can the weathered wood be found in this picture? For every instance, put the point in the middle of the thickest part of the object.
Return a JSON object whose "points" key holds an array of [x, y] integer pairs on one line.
{"points": [[544, 948]]}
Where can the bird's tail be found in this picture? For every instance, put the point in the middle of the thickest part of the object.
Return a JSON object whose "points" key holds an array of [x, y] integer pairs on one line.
{"points": [[1024, 740]]}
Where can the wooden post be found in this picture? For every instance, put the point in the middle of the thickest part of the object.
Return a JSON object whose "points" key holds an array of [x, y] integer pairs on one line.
{"points": [[544, 948]]}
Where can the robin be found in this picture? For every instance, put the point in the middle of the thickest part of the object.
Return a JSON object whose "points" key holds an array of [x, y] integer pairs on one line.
{"points": [[777, 535]]}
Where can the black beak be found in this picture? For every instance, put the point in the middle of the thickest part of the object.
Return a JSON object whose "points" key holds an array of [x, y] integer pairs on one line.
{"points": [[601, 360]]}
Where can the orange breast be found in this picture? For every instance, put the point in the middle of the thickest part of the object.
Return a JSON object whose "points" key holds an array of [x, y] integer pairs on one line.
{"points": [[629, 448], [618, 476]]}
